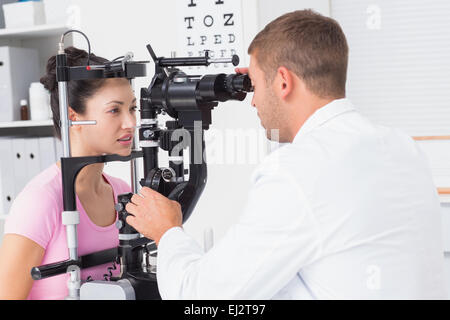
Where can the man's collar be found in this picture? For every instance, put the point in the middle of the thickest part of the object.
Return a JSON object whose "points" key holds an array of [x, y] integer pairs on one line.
{"points": [[323, 114]]}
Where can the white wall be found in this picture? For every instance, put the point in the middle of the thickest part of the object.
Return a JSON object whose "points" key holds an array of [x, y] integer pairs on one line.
{"points": [[269, 9], [398, 75], [445, 207]]}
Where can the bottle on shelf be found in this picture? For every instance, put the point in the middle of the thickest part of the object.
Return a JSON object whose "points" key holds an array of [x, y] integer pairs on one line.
{"points": [[24, 114]]}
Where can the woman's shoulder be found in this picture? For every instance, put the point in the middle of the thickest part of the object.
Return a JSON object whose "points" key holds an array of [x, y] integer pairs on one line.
{"points": [[44, 191], [36, 210], [47, 182]]}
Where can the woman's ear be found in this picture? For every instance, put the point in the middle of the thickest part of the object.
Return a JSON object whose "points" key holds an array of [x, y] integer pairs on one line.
{"points": [[73, 116]]}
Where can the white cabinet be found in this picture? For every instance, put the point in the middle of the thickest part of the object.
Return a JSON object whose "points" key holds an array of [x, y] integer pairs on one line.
{"points": [[43, 41], [19, 67]]}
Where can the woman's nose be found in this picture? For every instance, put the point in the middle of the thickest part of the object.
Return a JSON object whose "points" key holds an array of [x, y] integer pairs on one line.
{"points": [[129, 121]]}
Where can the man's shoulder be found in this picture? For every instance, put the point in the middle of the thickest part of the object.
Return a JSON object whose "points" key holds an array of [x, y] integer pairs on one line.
{"points": [[336, 147], [290, 160]]}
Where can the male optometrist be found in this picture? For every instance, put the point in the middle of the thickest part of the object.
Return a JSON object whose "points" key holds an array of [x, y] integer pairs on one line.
{"points": [[346, 209]]}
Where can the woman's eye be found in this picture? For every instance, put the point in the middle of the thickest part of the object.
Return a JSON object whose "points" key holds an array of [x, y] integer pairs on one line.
{"points": [[133, 109], [113, 111]]}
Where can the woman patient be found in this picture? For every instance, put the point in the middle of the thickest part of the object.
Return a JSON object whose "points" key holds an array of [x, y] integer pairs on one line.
{"points": [[34, 234]]}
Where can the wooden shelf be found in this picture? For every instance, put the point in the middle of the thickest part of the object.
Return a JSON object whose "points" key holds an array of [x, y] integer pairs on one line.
{"points": [[28, 128], [33, 32], [26, 124]]}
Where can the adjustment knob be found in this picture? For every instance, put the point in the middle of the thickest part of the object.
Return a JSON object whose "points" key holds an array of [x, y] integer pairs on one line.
{"points": [[119, 207], [119, 224], [167, 174]]}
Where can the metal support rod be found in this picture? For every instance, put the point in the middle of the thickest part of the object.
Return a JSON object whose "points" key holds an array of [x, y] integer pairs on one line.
{"points": [[71, 229], [133, 164], [64, 117], [82, 122], [134, 170]]}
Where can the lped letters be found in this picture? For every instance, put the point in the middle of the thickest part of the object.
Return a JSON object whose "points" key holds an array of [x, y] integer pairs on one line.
{"points": [[210, 21]]}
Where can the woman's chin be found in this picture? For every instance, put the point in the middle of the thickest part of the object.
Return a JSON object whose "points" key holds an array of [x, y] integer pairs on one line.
{"points": [[121, 151], [124, 152]]}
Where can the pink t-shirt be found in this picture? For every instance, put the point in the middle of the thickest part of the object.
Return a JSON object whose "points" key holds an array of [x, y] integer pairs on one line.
{"points": [[36, 214]]}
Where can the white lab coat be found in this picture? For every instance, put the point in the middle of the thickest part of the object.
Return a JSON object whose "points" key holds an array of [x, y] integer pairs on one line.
{"points": [[348, 210]]}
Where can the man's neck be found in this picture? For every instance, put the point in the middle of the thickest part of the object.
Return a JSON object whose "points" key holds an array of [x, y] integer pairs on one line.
{"points": [[306, 110]]}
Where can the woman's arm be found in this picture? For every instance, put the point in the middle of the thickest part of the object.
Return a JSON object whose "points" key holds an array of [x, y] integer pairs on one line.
{"points": [[18, 255]]}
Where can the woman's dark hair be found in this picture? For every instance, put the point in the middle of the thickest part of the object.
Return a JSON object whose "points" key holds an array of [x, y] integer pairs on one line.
{"points": [[78, 91]]}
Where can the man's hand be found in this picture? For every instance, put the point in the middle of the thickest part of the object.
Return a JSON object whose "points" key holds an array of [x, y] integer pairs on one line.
{"points": [[241, 70], [153, 214]]}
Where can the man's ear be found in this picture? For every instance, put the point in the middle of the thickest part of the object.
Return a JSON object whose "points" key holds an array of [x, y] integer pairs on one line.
{"points": [[284, 83]]}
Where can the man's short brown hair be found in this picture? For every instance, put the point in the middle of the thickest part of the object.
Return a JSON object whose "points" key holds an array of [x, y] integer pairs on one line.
{"points": [[310, 45]]}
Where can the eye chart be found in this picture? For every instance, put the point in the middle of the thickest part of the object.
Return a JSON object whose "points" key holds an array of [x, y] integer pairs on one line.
{"points": [[214, 25]]}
